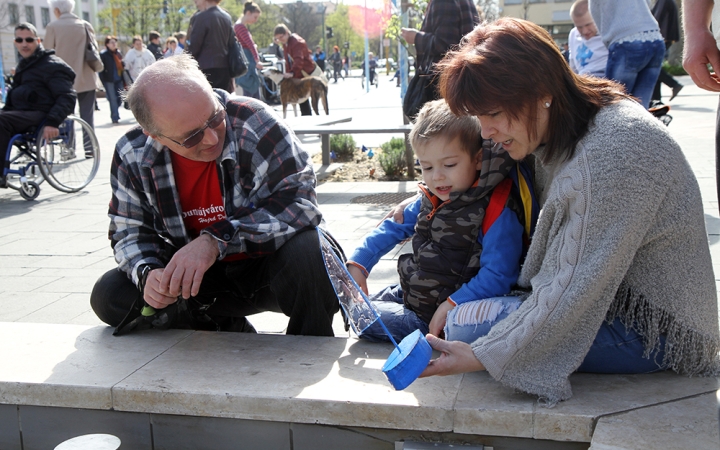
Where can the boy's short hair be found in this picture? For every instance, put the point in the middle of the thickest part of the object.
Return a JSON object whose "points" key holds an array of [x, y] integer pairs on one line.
{"points": [[435, 119], [153, 35], [171, 39]]}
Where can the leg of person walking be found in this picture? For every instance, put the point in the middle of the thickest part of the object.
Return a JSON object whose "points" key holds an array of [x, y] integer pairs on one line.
{"points": [[113, 98]]}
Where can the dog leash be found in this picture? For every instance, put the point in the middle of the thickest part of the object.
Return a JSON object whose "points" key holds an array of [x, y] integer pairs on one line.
{"points": [[268, 88]]}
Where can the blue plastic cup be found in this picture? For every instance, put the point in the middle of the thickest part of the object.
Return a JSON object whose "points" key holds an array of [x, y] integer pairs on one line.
{"points": [[408, 360]]}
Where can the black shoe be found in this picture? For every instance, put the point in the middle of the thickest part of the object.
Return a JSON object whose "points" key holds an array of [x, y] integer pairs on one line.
{"points": [[3, 182], [676, 90]]}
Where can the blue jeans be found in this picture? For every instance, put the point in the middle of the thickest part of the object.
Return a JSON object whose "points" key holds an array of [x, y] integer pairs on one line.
{"points": [[399, 320], [614, 350], [636, 64], [112, 92]]}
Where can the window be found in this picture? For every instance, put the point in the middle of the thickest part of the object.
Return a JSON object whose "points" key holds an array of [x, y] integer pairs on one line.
{"points": [[14, 13], [45, 16], [86, 16], [30, 14]]}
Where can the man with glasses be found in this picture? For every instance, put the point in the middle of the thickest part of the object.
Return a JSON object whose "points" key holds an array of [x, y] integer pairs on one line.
{"points": [[213, 213], [42, 89]]}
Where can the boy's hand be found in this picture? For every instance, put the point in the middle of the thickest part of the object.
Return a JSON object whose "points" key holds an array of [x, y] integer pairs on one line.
{"points": [[437, 323], [359, 277]]}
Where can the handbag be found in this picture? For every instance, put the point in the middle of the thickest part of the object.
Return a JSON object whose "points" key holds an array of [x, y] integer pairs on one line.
{"points": [[92, 56], [236, 58], [250, 82], [421, 89]]}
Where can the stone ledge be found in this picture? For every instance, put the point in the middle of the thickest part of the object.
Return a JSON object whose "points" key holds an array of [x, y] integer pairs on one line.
{"points": [[322, 381]]}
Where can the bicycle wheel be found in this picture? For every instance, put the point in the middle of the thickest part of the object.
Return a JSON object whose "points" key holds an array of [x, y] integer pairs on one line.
{"points": [[70, 161], [21, 157]]}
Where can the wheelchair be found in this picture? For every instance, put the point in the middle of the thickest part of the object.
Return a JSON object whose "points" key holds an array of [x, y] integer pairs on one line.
{"points": [[68, 162]]}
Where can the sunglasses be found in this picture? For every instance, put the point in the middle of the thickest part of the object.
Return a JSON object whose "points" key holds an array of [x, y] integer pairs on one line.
{"points": [[27, 39], [197, 137]]}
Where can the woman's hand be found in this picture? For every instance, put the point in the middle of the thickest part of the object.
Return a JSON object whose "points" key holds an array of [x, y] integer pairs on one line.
{"points": [[397, 212], [457, 357], [437, 323]]}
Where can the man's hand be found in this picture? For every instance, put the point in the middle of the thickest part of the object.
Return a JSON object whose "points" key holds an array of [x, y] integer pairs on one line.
{"points": [[185, 271], [359, 277], [152, 294], [409, 34], [50, 133], [457, 357], [701, 50], [437, 323]]}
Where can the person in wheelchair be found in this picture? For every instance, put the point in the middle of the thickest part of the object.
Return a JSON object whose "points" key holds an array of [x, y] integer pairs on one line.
{"points": [[42, 89]]}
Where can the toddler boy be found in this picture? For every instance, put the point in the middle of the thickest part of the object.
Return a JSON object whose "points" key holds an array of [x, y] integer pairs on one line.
{"points": [[468, 227]]}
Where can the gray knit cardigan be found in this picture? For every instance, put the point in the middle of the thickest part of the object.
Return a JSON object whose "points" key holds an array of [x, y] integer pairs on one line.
{"points": [[621, 234]]}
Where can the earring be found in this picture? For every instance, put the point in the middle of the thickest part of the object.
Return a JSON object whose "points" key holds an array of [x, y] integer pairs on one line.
{"points": [[547, 104]]}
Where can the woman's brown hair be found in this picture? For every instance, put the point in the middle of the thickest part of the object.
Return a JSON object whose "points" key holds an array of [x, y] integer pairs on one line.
{"points": [[511, 65], [251, 7]]}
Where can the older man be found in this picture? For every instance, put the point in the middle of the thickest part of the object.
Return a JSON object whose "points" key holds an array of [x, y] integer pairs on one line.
{"points": [[67, 35], [42, 89], [213, 213]]}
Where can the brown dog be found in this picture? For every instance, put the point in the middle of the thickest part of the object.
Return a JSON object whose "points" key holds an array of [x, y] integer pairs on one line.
{"points": [[297, 90]]}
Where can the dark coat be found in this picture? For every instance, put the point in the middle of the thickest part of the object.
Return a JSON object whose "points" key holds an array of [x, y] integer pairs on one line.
{"points": [[43, 82], [446, 22], [155, 50], [107, 75], [210, 33], [666, 14]]}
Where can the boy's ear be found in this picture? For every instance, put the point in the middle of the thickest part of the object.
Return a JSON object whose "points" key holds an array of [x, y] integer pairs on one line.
{"points": [[478, 160]]}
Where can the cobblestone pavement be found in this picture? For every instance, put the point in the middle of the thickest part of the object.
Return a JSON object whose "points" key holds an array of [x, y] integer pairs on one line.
{"points": [[53, 249]]}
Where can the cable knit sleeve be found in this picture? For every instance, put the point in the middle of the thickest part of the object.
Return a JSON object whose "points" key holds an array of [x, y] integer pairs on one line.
{"points": [[596, 221]]}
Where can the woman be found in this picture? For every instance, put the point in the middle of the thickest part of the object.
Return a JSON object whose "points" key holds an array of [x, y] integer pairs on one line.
{"points": [[138, 58], [112, 75], [336, 61], [209, 36], [298, 59], [622, 214], [250, 82]]}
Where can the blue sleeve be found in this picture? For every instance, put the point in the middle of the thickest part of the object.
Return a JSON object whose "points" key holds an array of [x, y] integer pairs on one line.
{"points": [[386, 236], [499, 261]]}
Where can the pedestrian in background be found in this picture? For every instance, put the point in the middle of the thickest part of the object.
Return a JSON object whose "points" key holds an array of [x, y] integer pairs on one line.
{"points": [[319, 57], [68, 36], [138, 58], [298, 59], [337, 62], [666, 14], [210, 31], [250, 82], [445, 23], [154, 45], [112, 76], [171, 47], [635, 45], [181, 36]]}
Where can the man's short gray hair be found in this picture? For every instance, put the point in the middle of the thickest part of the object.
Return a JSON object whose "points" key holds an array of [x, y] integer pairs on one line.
{"points": [[180, 72], [64, 6]]}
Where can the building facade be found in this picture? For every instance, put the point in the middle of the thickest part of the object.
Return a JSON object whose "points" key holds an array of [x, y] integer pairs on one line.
{"points": [[553, 15]]}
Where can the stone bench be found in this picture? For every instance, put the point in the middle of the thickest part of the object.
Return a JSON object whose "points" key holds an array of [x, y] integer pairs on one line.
{"points": [[185, 389]]}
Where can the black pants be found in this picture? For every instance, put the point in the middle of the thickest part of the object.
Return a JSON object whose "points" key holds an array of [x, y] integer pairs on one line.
{"points": [[15, 122], [292, 281], [305, 108], [220, 79]]}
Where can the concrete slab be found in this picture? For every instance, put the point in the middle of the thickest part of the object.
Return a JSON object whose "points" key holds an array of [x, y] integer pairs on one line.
{"points": [[72, 365], [332, 382], [689, 423]]}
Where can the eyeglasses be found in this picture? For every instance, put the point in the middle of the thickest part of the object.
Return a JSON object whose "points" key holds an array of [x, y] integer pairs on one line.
{"points": [[27, 39], [197, 137]]}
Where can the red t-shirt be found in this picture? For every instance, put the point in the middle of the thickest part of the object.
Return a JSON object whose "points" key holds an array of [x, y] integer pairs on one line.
{"points": [[201, 201]]}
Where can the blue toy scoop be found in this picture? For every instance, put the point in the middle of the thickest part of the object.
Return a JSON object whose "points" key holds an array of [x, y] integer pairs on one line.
{"points": [[410, 358]]}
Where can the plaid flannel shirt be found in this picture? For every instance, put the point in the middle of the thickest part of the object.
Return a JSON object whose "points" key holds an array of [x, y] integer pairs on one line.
{"points": [[267, 182], [445, 23]]}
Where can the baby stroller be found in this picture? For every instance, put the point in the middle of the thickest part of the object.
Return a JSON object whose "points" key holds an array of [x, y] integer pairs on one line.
{"points": [[373, 74]]}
